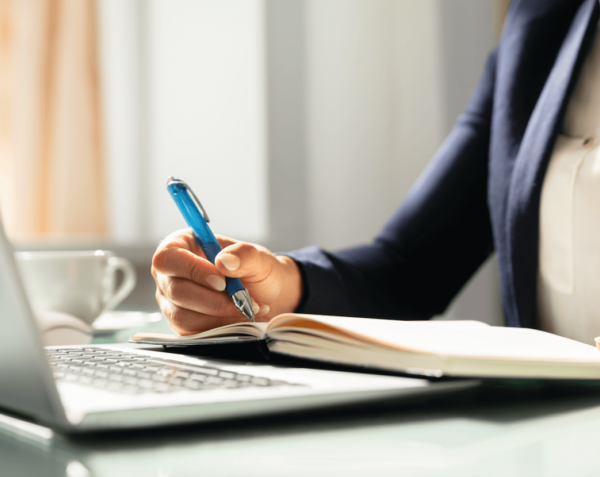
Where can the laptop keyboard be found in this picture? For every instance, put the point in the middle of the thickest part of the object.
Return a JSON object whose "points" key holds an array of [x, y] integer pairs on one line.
{"points": [[132, 373]]}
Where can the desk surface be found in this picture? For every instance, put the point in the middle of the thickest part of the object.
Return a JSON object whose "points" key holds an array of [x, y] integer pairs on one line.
{"points": [[496, 431], [490, 432]]}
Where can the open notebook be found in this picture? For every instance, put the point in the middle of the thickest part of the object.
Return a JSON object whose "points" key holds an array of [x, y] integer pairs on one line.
{"points": [[429, 348]]}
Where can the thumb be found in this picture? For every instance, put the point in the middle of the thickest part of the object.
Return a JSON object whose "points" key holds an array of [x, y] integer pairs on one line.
{"points": [[245, 260], [225, 241]]}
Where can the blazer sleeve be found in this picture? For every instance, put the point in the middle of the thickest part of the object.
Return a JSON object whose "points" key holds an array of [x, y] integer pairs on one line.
{"points": [[431, 246]]}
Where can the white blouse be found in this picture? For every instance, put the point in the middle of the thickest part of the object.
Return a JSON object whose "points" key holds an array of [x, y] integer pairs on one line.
{"points": [[569, 240]]}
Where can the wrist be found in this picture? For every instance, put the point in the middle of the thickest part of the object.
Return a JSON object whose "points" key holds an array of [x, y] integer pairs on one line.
{"points": [[291, 291]]}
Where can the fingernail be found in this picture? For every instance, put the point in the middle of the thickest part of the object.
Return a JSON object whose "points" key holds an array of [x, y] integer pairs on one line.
{"points": [[216, 282], [230, 261], [255, 308], [264, 310]]}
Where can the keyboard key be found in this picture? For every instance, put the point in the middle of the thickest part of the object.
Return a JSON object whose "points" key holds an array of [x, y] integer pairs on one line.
{"points": [[190, 383], [112, 386], [184, 366], [131, 390], [132, 373], [161, 387], [145, 383], [211, 371]]}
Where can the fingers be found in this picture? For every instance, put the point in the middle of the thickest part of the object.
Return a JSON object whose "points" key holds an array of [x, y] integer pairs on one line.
{"points": [[252, 262], [182, 263], [187, 322], [192, 296], [180, 256], [190, 288]]}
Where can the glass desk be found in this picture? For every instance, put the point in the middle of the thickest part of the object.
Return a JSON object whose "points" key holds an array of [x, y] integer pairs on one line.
{"points": [[499, 430]]}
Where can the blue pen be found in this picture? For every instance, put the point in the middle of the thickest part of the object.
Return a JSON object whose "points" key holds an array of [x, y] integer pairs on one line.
{"points": [[197, 218]]}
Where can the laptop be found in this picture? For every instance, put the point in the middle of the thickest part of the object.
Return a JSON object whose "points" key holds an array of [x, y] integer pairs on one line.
{"points": [[101, 387]]}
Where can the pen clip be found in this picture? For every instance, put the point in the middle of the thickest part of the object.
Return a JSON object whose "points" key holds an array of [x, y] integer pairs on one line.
{"points": [[172, 180]]}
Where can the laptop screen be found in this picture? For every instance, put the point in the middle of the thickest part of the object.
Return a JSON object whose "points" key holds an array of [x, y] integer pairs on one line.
{"points": [[26, 385]]}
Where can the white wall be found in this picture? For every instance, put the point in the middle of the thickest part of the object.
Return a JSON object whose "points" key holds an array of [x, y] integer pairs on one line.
{"points": [[374, 111], [119, 27], [190, 103], [208, 112]]}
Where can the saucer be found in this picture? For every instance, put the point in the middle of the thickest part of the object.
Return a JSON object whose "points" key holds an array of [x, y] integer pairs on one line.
{"points": [[120, 320]]}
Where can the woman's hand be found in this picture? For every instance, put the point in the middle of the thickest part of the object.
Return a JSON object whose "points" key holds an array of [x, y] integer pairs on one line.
{"points": [[190, 289]]}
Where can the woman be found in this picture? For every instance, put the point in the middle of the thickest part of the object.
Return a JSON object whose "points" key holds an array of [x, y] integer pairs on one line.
{"points": [[482, 192]]}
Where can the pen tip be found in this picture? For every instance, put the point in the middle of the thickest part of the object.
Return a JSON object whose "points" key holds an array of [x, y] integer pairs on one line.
{"points": [[242, 300]]}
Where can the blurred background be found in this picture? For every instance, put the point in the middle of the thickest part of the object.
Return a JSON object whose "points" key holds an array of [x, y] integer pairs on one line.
{"points": [[296, 122]]}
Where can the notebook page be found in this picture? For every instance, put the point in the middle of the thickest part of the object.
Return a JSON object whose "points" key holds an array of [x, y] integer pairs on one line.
{"points": [[256, 330], [468, 339]]}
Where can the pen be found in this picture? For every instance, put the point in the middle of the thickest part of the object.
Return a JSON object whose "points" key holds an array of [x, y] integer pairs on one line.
{"points": [[197, 218]]}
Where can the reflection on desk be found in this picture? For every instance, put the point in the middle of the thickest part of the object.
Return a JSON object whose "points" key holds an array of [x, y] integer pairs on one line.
{"points": [[500, 430]]}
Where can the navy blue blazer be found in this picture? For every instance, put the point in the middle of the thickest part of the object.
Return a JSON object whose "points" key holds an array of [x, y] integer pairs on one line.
{"points": [[480, 193]]}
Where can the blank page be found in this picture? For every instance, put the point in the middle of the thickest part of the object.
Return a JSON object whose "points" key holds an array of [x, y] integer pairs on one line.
{"points": [[466, 338]]}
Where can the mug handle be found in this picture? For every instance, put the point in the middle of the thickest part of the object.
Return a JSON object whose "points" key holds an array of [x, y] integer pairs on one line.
{"points": [[129, 280]]}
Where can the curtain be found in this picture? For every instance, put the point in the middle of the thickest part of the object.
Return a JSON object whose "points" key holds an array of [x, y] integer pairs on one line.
{"points": [[52, 181]]}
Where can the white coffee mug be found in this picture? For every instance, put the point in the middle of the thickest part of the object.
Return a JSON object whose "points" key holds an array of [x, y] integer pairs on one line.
{"points": [[79, 283]]}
